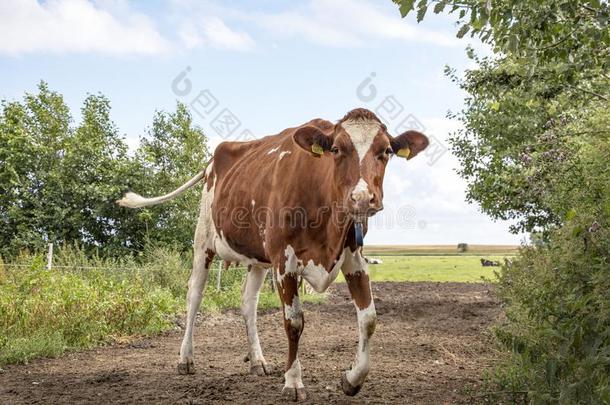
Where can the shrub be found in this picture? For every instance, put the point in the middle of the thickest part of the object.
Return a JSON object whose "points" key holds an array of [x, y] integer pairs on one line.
{"points": [[86, 300], [558, 318]]}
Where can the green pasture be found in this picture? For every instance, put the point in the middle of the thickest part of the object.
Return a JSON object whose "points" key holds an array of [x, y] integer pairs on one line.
{"points": [[433, 268]]}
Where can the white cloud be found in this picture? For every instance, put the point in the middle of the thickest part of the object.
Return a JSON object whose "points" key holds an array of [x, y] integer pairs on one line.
{"points": [[435, 197], [212, 31], [57, 26], [346, 23]]}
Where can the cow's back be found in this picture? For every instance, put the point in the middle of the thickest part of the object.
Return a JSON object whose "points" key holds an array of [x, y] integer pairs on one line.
{"points": [[252, 180]]}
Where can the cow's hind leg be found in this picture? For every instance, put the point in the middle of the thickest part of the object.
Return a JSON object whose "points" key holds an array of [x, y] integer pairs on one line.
{"points": [[203, 254], [355, 271], [293, 324], [201, 266], [254, 282]]}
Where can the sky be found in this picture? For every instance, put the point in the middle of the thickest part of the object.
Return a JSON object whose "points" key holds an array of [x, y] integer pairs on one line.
{"points": [[247, 69]]}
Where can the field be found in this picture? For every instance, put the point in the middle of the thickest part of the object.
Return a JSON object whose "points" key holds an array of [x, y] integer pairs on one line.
{"points": [[434, 312], [465, 269], [430, 347], [436, 263], [445, 250]]}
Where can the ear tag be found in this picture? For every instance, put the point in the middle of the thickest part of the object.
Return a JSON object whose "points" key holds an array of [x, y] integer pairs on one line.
{"points": [[404, 153], [317, 149]]}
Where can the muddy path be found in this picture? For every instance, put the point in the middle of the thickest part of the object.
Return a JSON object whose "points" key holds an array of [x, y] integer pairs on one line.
{"points": [[431, 342]]}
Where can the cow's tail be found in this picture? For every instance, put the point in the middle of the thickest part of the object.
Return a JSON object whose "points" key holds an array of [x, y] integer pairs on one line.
{"points": [[133, 200]]}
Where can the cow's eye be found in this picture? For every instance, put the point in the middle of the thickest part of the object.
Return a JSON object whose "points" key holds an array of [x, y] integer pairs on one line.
{"points": [[334, 150]]}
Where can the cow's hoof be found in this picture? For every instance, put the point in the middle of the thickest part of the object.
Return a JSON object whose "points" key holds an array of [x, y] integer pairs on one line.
{"points": [[260, 369], [348, 388], [294, 394], [186, 368]]}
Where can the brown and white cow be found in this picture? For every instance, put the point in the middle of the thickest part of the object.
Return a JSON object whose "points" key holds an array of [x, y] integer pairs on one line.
{"points": [[290, 202]]}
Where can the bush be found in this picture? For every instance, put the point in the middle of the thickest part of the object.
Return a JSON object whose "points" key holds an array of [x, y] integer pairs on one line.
{"points": [[86, 300], [558, 318], [43, 313]]}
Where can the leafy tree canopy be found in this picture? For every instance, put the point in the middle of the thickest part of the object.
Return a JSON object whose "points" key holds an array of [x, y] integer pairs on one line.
{"points": [[59, 181]]}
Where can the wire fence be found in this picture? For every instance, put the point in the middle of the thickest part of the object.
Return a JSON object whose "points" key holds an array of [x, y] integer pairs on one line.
{"points": [[218, 265]]}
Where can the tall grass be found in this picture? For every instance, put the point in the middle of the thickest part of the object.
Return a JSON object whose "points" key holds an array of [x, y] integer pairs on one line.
{"points": [[86, 301]]}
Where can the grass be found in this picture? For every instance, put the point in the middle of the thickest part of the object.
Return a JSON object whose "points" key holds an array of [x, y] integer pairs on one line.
{"points": [[433, 268], [444, 250], [87, 301]]}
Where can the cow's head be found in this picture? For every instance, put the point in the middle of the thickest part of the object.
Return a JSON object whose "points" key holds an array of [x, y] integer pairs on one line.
{"points": [[360, 147]]}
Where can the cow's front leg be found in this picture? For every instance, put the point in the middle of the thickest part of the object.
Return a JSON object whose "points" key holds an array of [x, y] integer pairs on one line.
{"points": [[293, 324], [356, 276]]}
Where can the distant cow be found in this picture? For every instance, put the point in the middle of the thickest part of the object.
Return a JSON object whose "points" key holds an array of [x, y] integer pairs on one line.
{"points": [[489, 263], [299, 202]]}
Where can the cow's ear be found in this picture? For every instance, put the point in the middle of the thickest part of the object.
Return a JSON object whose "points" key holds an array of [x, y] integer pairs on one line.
{"points": [[313, 140], [409, 144]]}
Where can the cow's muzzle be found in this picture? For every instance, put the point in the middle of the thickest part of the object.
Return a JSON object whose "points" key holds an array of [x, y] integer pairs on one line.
{"points": [[364, 204]]}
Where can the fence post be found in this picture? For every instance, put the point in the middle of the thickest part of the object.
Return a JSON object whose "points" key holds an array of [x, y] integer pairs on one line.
{"points": [[219, 274], [50, 257]]}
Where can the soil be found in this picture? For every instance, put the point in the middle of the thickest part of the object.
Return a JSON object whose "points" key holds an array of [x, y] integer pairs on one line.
{"points": [[431, 344]]}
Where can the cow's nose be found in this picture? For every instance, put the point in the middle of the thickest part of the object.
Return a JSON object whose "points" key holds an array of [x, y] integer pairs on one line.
{"points": [[363, 201]]}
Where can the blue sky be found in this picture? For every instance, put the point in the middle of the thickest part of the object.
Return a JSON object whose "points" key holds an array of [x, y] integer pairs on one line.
{"points": [[270, 64]]}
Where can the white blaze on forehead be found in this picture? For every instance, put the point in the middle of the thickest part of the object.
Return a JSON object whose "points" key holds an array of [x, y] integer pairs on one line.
{"points": [[362, 133], [361, 187]]}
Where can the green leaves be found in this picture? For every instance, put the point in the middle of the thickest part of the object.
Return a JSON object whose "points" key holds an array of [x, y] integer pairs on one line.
{"points": [[421, 12], [439, 7], [463, 30], [405, 6], [58, 182], [534, 149]]}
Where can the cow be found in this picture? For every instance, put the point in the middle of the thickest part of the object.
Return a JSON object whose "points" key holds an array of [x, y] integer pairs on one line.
{"points": [[296, 202], [489, 263]]}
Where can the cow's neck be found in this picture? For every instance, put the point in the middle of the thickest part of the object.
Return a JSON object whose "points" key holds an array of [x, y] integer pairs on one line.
{"points": [[338, 225]]}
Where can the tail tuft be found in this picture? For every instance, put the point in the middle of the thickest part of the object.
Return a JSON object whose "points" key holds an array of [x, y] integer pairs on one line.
{"points": [[132, 200]]}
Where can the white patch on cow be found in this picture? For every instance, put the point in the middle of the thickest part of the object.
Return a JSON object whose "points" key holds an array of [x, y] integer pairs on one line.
{"points": [[253, 203], [362, 133], [318, 277], [208, 170], [204, 239], [361, 191], [273, 150], [204, 233], [226, 252], [354, 262], [315, 274], [367, 318], [284, 153], [291, 266], [361, 186], [294, 313], [254, 281], [292, 377]]}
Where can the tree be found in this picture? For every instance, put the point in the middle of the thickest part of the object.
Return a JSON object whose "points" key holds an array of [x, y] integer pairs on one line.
{"points": [[522, 123], [172, 152], [535, 147], [58, 183]]}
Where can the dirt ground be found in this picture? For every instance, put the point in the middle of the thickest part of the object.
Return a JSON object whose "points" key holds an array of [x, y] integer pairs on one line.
{"points": [[431, 343]]}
